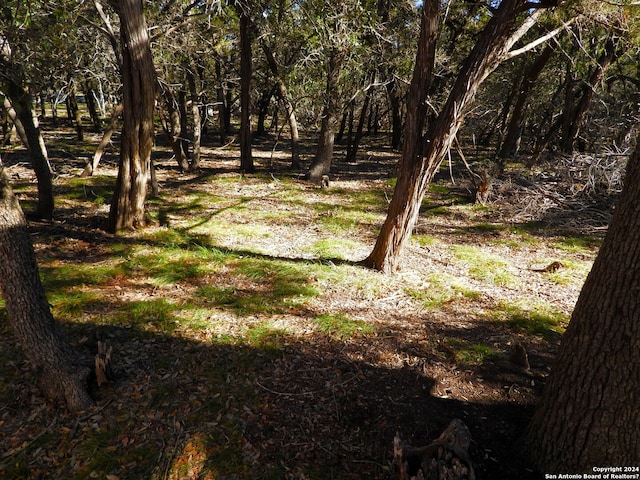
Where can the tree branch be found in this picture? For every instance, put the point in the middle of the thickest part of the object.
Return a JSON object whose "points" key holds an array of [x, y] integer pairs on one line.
{"points": [[544, 38]]}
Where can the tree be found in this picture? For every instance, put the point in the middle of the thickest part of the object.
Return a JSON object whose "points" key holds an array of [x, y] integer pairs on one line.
{"points": [[246, 34], [61, 374], [138, 96], [588, 415], [14, 83], [423, 154]]}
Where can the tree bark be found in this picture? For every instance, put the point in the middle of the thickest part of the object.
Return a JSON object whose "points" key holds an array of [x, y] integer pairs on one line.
{"points": [[321, 164], [407, 195], [61, 376], [138, 88], [588, 415], [246, 155], [422, 155]]}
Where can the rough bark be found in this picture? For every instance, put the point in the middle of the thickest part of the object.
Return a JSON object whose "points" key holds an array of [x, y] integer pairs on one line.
{"points": [[321, 164], [588, 416], [61, 376], [246, 155], [407, 192], [422, 155], [138, 85]]}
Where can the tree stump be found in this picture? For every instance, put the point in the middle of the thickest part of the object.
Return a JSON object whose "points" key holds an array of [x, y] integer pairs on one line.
{"points": [[104, 372], [446, 458]]}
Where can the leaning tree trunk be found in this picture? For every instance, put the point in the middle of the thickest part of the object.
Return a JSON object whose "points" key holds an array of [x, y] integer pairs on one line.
{"points": [[588, 416], [246, 155], [321, 164], [23, 105], [422, 156], [138, 85], [92, 165], [61, 376]]}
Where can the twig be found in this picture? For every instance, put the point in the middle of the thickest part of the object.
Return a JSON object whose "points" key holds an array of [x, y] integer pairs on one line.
{"points": [[16, 451]]}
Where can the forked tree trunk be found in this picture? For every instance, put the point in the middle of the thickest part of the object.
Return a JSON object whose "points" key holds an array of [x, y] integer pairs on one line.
{"points": [[588, 416], [246, 155], [61, 376], [321, 164], [138, 86], [422, 155]]}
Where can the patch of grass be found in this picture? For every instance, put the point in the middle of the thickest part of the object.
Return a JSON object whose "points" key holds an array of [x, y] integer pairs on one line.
{"points": [[483, 266], [425, 240], [261, 286], [96, 188], [535, 319], [157, 314], [467, 353], [440, 290], [441, 189], [487, 227], [580, 244], [333, 248], [341, 326], [264, 336]]}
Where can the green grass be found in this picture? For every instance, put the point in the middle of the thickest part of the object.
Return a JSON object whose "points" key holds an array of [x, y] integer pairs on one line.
{"points": [[341, 326], [333, 248], [441, 290], [467, 353], [533, 318], [483, 266]]}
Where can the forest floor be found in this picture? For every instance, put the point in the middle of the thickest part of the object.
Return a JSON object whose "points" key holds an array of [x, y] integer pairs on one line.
{"points": [[249, 343]]}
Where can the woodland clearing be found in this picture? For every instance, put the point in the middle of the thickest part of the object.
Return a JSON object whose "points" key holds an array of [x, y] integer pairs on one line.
{"points": [[249, 343]]}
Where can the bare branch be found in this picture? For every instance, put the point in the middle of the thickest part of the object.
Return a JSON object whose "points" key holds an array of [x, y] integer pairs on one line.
{"points": [[540, 40]]}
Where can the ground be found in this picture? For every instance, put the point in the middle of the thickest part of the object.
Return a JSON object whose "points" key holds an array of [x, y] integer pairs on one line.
{"points": [[249, 343]]}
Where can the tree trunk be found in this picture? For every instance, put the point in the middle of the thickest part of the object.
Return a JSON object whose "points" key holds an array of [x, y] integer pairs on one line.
{"points": [[61, 376], [321, 164], [223, 109], [194, 162], [246, 155], [23, 105], [172, 126], [138, 88], [72, 102], [588, 415], [514, 127], [92, 166], [422, 155], [574, 116], [354, 143], [89, 95]]}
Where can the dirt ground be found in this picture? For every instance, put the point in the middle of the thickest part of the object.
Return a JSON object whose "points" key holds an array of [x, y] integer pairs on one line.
{"points": [[310, 405]]}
